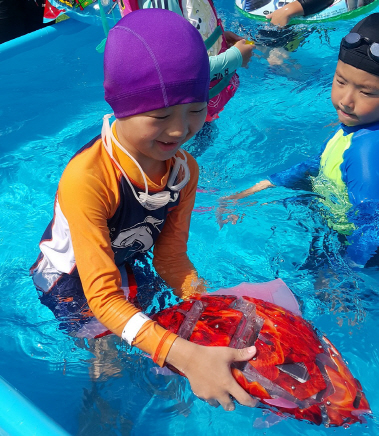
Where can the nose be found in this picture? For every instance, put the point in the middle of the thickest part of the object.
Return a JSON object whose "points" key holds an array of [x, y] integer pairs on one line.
{"points": [[347, 99], [179, 126]]}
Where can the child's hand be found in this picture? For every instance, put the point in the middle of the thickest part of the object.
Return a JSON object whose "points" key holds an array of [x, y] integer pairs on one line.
{"points": [[231, 218], [277, 56], [226, 209], [246, 51], [231, 38], [282, 16], [208, 371], [225, 202]]}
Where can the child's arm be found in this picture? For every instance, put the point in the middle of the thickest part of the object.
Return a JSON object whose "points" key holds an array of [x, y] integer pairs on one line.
{"points": [[282, 16], [360, 173], [170, 250], [224, 208], [296, 177], [364, 241], [88, 195], [260, 186], [237, 56]]}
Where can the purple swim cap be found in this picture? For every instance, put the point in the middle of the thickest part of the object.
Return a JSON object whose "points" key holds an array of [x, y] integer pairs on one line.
{"points": [[153, 59]]}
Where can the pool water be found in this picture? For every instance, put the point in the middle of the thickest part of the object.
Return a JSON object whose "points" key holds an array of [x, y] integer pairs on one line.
{"points": [[52, 104]]}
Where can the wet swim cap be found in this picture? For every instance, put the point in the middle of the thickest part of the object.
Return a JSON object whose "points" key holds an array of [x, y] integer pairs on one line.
{"points": [[153, 59], [359, 57]]}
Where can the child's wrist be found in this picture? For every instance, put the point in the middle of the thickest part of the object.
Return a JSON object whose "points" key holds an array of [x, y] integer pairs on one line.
{"points": [[133, 326], [164, 347], [156, 356], [180, 354]]}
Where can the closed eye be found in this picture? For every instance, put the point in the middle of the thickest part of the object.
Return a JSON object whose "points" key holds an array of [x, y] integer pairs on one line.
{"points": [[370, 92], [201, 110], [161, 118]]}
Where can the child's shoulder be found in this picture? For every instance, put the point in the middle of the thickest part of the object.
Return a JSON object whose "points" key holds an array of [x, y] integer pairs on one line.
{"points": [[364, 148], [88, 165], [90, 156], [366, 135]]}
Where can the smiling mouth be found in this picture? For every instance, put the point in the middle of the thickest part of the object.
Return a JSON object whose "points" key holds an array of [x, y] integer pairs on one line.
{"points": [[168, 144]]}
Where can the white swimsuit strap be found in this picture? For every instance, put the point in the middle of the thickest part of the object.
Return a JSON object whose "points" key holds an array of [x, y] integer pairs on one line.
{"points": [[154, 201], [108, 145]]}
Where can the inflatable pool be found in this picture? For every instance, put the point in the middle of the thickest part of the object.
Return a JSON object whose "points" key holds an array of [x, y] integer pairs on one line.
{"points": [[52, 102], [19, 417], [108, 12], [105, 12], [339, 10]]}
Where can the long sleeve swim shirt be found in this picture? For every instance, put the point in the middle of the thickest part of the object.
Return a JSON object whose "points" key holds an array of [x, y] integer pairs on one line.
{"points": [[99, 225], [346, 173]]}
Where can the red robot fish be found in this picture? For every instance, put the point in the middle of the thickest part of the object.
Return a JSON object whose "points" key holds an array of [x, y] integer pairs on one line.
{"points": [[296, 372]]}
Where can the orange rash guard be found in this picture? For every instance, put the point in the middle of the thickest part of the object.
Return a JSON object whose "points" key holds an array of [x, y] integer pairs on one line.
{"points": [[93, 207]]}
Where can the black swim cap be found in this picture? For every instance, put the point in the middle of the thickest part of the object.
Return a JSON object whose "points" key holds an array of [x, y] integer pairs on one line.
{"points": [[358, 57]]}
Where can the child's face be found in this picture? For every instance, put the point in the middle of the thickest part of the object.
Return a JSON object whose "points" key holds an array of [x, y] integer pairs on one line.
{"points": [[157, 135], [355, 95]]}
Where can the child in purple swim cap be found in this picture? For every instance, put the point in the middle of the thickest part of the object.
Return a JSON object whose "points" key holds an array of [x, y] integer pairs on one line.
{"points": [[132, 188]]}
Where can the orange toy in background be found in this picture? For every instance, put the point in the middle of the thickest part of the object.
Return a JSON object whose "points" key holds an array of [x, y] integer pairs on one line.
{"points": [[295, 372]]}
